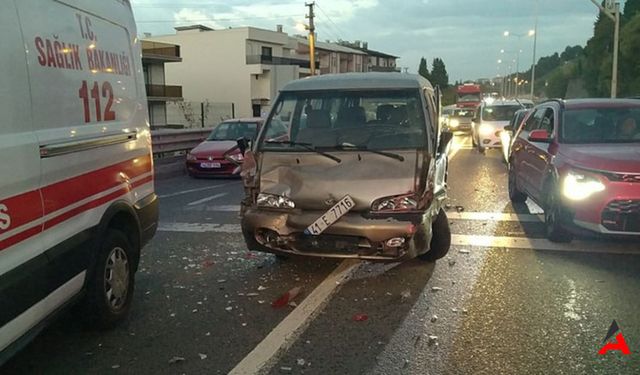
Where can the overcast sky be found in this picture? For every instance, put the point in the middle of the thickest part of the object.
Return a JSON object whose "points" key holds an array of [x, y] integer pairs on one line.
{"points": [[466, 34]]}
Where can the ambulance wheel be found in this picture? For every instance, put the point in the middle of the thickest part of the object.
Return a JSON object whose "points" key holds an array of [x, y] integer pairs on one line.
{"points": [[110, 287]]}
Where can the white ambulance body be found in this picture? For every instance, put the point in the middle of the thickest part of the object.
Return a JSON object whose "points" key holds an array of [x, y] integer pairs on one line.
{"points": [[77, 198]]}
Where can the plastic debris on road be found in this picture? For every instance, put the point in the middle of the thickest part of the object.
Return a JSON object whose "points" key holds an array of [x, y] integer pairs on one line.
{"points": [[286, 298], [360, 317], [301, 362], [202, 356], [436, 289], [459, 208], [464, 251], [406, 294], [285, 368], [434, 318], [432, 340], [176, 360]]}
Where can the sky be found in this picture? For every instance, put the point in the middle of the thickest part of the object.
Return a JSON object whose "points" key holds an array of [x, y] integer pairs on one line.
{"points": [[466, 34]]}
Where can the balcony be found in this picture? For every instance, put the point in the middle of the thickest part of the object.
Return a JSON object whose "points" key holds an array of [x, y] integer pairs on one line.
{"points": [[387, 69], [163, 92], [275, 60], [163, 52]]}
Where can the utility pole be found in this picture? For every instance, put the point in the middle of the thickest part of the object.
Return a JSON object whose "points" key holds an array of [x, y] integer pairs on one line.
{"points": [[613, 12], [312, 38], [535, 41]]}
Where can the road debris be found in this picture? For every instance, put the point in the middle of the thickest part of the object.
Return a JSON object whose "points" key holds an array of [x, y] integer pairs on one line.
{"points": [[452, 262], [261, 288], [434, 318], [115, 367], [360, 317], [464, 251], [436, 289], [286, 369], [228, 308], [406, 294], [432, 340], [176, 360], [286, 298], [202, 356], [301, 362], [459, 208]]}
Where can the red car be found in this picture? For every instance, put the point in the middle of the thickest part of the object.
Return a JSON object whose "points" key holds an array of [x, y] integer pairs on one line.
{"points": [[580, 161], [219, 155]]}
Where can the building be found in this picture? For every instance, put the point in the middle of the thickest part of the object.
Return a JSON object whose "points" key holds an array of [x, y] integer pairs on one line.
{"points": [[154, 57], [245, 66], [376, 61], [334, 58]]}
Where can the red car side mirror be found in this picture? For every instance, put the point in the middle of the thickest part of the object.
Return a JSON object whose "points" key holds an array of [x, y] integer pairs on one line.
{"points": [[539, 135]]}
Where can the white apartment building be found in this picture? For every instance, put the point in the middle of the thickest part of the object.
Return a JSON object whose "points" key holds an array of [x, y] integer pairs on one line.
{"points": [[245, 66]]}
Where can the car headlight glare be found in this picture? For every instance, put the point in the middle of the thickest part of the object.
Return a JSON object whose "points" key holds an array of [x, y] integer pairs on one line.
{"points": [[274, 201], [578, 186], [395, 203], [485, 130], [236, 157], [454, 123]]}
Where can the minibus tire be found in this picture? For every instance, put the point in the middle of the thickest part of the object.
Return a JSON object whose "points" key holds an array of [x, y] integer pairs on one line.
{"points": [[440, 239]]}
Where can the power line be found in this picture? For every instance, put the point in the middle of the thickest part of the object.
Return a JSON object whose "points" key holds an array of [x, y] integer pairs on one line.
{"points": [[330, 20]]}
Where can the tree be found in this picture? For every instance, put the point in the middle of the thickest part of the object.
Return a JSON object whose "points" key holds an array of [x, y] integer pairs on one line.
{"points": [[439, 75], [631, 8], [629, 73], [423, 70]]}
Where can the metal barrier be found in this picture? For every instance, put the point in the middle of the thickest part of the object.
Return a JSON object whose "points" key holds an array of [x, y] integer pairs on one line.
{"points": [[171, 141]]}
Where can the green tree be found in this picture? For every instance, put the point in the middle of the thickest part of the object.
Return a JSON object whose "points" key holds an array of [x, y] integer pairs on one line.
{"points": [[631, 8], [423, 70], [629, 69], [439, 75]]}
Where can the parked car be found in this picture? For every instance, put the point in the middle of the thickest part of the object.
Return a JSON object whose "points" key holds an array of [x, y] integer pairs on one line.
{"points": [[352, 180], [580, 161], [489, 121], [459, 119], [506, 136], [218, 155], [77, 201]]}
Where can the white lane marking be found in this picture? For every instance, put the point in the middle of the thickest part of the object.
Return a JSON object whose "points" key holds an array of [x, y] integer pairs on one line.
{"points": [[494, 216], [208, 199], [458, 144], [199, 228], [265, 354], [227, 208], [543, 244], [196, 190]]}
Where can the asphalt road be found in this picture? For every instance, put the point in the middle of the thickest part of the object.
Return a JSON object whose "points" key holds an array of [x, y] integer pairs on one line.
{"points": [[503, 301]]}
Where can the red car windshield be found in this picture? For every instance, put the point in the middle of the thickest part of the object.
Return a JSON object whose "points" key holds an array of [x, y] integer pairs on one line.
{"points": [[601, 125], [231, 131]]}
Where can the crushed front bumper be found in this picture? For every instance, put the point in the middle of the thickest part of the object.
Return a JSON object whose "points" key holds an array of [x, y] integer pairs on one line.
{"points": [[392, 237]]}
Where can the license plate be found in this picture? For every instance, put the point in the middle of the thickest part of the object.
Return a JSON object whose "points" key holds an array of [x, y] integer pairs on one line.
{"points": [[328, 218], [210, 165]]}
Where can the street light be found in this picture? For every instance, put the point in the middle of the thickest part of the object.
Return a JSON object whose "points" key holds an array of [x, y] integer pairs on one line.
{"points": [[533, 33], [517, 61]]}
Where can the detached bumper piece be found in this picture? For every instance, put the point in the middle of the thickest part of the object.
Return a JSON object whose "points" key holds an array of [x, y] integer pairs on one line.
{"points": [[622, 216]]}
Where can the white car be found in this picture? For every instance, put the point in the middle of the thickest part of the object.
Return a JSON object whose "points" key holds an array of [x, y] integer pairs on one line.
{"points": [[489, 122], [77, 201]]}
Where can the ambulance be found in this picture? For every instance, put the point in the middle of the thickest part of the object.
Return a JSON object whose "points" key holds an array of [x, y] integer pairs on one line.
{"points": [[77, 201]]}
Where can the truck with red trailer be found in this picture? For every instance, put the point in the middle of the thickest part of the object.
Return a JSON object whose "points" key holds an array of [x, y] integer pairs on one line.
{"points": [[468, 95]]}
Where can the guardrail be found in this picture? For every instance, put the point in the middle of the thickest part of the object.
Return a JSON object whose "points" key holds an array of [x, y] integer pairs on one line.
{"points": [[171, 141]]}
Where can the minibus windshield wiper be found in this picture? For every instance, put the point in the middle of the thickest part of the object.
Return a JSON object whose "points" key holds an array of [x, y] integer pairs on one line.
{"points": [[307, 146], [349, 146]]}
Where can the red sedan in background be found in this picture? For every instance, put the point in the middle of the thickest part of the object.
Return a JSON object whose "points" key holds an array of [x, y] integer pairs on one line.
{"points": [[218, 155], [580, 161]]}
